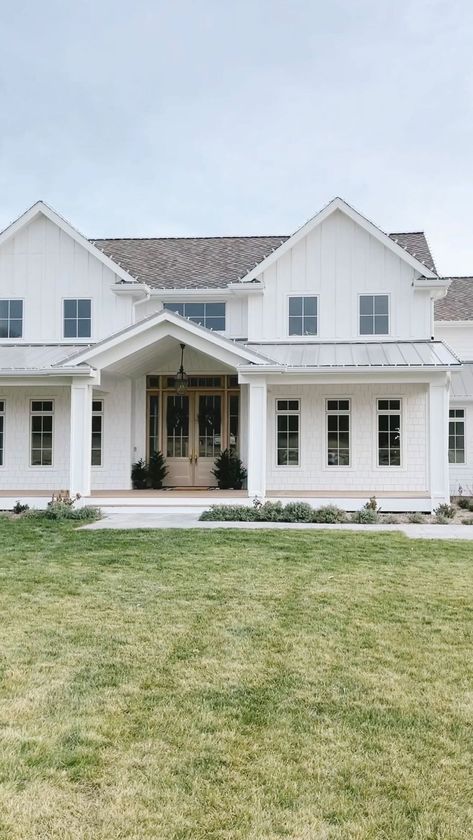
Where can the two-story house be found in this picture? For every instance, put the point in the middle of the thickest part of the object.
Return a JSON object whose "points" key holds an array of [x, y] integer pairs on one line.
{"points": [[315, 356]]}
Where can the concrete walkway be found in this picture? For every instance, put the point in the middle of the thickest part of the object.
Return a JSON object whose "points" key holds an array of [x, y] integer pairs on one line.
{"points": [[136, 517]]}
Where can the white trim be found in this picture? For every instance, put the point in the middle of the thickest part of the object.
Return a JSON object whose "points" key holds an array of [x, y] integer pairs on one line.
{"points": [[41, 208], [4, 415], [339, 204]]}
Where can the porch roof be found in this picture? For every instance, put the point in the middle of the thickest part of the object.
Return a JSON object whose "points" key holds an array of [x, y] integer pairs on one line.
{"points": [[462, 382], [358, 354], [39, 358]]}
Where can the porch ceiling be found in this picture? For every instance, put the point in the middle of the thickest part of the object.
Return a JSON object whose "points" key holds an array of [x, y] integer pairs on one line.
{"points": [[164, 356]]}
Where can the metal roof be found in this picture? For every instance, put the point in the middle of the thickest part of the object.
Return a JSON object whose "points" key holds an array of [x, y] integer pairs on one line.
{"points": [[462, 382], [379, 354], [35, 356]]}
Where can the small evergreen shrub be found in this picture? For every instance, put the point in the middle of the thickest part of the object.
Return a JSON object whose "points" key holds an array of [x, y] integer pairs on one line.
{"points": [[157, 470], [365, 516], [416, 518], [391, 519], [229, 470], [19, 508], [464, 502], [298, 512], [371, 504], [271, 512], [440, 519], [229, 513], [329, 514], [445, 511], [139, 475], [467, 520], [61, 509]]}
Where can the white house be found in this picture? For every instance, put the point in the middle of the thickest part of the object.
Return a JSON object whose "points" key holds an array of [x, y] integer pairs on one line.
{"points": [[315, 356]]}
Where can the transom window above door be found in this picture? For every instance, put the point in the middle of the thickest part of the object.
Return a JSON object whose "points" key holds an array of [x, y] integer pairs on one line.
{"points": [[303, 315], [374, 314], [77, 318], [209, 315]]}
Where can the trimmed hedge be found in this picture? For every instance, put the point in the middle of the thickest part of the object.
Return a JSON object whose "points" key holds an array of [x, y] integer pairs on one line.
{"points": [[274, 512]]}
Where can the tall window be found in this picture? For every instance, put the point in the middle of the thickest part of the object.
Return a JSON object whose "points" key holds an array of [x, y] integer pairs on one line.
{"points": [[2, 431], [287, 432], [210, 315], [374, 314], [78, 318], [303, 315], [42, 413], [389, 433], [233, 414], [153, 420], [97, 433], [338, 433], [456, 436], [11, 318]]}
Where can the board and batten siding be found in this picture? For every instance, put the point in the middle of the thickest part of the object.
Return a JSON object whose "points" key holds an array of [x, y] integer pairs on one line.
{"points": [[338, 260], [43, 265]]}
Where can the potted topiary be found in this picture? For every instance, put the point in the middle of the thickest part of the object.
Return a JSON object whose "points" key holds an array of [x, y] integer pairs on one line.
{"points": [[139, 475], [157, 470], [229, 470]]}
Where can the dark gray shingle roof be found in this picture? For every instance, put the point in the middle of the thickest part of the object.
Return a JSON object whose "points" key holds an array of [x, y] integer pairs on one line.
{"points": [[211, 262], [458, 304]]}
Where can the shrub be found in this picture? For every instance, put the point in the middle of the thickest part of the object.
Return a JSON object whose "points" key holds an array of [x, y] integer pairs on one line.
{"points": [[464, 502], [298, 512], [19, 508], [365, 516], [229, 513], [467, 520], [329, 514], [139, 475], [62, 509], [391, 519], [440, 519], [371, 504], [445, 511], [157, 470], [270, 512], [416, 518], [229, 470]]}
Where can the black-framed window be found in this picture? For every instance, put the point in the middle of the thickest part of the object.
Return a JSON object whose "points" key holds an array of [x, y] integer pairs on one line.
{"points": [[389, 432], [338, 432], [303, 315], [96, 450], [374, 314], [209, 315], [77, 318], [456, 436], [2, 432], [288, 433], [42, 416], [11, 318]]}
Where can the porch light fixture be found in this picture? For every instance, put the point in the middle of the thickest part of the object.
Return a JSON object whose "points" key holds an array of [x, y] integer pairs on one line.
{"points": [[181, 375]]}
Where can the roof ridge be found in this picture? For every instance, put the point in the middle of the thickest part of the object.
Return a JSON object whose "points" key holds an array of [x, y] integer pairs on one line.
{"points": [[405, 232], [180, 238]]}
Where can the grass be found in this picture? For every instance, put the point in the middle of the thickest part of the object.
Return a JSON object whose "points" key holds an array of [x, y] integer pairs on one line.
{"points": [[192, 685]]}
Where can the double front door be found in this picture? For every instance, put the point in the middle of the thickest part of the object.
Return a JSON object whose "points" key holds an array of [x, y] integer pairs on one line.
{"points": [[193, 437]]}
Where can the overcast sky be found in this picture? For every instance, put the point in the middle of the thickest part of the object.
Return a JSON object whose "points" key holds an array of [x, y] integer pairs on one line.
{"points": [[217, 117]]}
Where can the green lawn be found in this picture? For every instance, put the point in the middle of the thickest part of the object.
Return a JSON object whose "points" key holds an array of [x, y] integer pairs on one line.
{"points": [[218, 685]]}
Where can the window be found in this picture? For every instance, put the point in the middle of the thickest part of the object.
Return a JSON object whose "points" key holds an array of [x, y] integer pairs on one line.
{"points": [[153, 423], [233, 414], [42, 412], [77, 318], [303, 315], [389, 433], [338, 433], [210, 315], [11, 318], [374, 314], [97, 433], [2, 431], [287, 432], [456, 436]]}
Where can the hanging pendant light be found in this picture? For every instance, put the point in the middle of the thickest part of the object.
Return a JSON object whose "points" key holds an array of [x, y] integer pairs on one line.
{"points": [[181, 375]]}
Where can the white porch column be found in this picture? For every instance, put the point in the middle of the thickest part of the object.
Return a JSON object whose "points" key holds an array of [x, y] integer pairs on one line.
{"points": [[80, 441], [438, 437], [256, 430]]}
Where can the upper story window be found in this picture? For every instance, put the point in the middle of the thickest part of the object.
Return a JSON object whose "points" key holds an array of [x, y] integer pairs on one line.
{"points": [[77, 318], [210, 315], [374, 314], [11, 318], [303, 315]]}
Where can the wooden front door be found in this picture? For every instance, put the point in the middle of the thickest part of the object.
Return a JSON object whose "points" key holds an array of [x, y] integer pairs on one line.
{"points": [[193, 437]]}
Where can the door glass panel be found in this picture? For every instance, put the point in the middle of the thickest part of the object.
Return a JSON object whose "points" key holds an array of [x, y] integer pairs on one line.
{"points": [[177, 426], [210, 425], [233, 422], [153, 423]]}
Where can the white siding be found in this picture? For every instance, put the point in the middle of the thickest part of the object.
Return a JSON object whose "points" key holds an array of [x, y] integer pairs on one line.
{"points": [[114, 474], [363, 474], [459, 337], [338, 260], [43, 265], [461, 475]]}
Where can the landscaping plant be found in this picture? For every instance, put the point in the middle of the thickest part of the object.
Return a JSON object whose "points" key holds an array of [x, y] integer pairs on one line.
{"points": [[229, 470]]}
